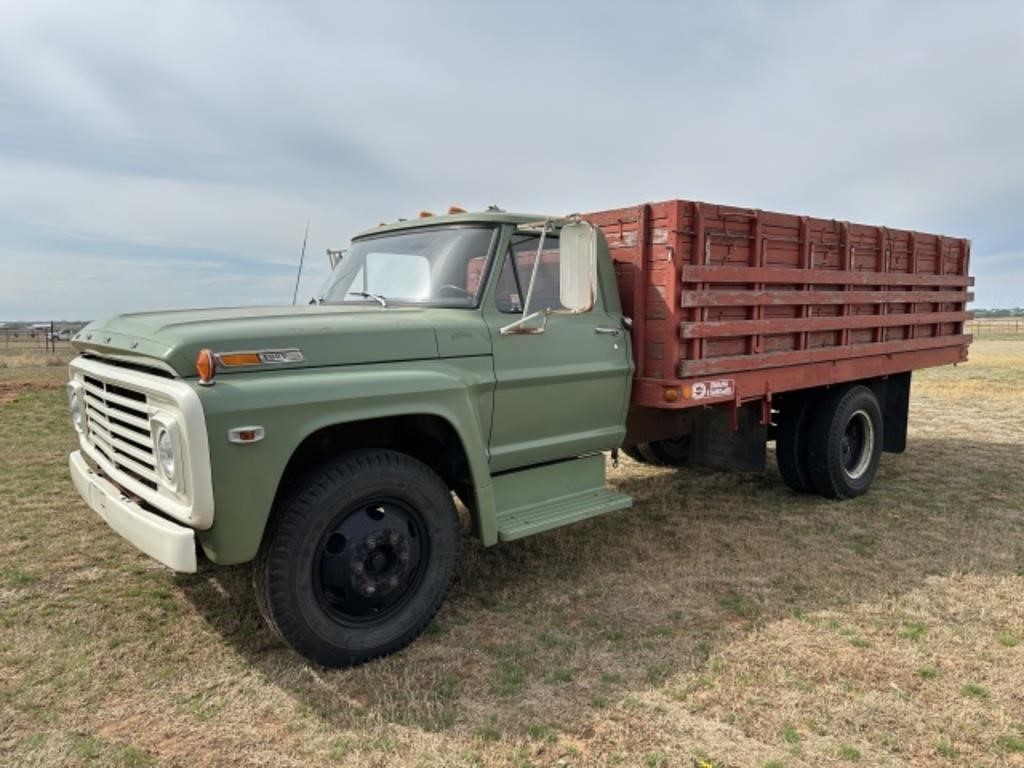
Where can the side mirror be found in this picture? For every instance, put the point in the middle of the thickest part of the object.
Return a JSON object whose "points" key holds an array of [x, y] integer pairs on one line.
{"points": [[577, 266]]}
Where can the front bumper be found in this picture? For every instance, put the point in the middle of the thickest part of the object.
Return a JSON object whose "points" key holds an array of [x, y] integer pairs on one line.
{"points": [[169, 543]]}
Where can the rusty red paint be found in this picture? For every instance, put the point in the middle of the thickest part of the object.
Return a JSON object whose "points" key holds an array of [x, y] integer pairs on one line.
{"points": [[727, 274], [790, 297], [779, 302], [743, 327]]}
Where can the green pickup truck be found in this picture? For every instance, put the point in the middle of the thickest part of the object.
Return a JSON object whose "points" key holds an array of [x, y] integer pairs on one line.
{"points": [[480, 358]]}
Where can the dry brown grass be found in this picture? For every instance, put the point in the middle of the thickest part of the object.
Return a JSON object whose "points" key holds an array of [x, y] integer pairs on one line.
{"points": [[26, 361], [722, 621]]}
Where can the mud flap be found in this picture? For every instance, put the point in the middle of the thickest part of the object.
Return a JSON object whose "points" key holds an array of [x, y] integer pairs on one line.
{"points": [[714, 442], [895, 399]]}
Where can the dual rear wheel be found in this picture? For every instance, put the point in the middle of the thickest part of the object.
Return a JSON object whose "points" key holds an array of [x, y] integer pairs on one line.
{"points": [[830, 444]]}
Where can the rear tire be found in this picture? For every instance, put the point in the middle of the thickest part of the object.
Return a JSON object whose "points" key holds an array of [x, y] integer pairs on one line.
{"points": [[791, 444], [356, 562], [845, 443], [671, 452], [634, 454]]}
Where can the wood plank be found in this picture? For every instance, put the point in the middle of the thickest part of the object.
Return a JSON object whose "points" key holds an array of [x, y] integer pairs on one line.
{"points": [[790, 297], [673, 288], [725, 328], [740, 274], [643, 217], [720, 365]]}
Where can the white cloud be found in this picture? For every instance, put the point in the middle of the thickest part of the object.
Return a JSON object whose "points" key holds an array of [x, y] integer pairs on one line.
{"points": [[224, 127]]}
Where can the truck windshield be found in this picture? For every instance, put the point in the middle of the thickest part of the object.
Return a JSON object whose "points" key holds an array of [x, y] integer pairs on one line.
{"points": [[438, 266]]}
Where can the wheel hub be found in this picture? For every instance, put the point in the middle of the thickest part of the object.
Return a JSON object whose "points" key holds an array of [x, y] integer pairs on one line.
{"points": [[380, 563], [368, 562], [857, 444], [377, 562]]}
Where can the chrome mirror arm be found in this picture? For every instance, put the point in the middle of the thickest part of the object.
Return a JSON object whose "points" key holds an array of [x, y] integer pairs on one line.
{"points": [[536, 264], [517, 326]]}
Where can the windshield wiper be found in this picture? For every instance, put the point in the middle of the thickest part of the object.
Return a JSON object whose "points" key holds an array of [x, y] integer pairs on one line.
{"points": [[375, 296]]}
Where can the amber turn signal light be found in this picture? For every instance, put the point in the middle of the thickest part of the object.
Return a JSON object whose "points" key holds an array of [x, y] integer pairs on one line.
{"points": [[239, 358], [206, 367]]}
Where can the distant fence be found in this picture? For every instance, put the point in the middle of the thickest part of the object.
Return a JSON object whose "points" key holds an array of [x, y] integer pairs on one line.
{"points": [[1001, 326], [45, 337]]}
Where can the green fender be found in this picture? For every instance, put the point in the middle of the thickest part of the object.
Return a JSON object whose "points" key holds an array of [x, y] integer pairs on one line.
{"points": [[292, 405]]}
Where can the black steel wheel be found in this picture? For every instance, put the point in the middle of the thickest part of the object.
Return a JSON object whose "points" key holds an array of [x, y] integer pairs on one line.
{"points": [[845, 443], [357, 561], [791, 438], [368, 561]]}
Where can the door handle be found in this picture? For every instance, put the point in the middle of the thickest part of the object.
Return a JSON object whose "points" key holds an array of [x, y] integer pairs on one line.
{"points": [[604, 329]]}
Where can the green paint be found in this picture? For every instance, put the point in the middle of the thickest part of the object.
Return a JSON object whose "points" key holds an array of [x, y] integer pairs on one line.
{"points": [[549, 496], [515, 402]]}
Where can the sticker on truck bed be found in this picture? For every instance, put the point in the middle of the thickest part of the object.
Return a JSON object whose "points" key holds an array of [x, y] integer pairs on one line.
{"points": [[703, 390]]}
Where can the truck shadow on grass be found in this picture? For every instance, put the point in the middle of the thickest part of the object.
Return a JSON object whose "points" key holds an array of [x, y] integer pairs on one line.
{"points": [[540, 636]]}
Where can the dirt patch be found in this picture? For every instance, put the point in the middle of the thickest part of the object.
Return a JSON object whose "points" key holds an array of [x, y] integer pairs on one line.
{"points": [[10, 390]]}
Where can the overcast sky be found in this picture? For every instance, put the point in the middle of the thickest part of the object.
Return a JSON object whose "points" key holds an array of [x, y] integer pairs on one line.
{"points": [[169, 154]]}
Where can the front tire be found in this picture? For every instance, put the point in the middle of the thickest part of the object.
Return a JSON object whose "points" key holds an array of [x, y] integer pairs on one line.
{"points": [[358, 560], [845, 443]]}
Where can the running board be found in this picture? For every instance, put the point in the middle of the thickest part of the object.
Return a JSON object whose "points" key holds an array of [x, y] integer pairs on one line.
{"points": [[547, 497]]}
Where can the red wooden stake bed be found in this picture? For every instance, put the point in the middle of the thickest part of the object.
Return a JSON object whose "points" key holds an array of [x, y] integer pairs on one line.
{"points": [[734, 304]]}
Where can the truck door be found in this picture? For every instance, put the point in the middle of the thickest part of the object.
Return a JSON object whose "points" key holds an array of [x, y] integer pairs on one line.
{"points": [[562, 392]]}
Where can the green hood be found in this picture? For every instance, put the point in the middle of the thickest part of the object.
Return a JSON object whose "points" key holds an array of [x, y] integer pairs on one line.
{"points": [[326, 335]]}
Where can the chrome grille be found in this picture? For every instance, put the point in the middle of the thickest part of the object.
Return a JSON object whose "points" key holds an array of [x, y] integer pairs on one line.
{"points": [[118, 428]]}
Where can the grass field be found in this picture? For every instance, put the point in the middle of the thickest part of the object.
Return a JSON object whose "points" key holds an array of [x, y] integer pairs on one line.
{"points": [[723, 621]]}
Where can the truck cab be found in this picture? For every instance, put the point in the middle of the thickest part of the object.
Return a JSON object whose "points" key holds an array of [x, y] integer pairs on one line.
{"points": [[479, 357]]}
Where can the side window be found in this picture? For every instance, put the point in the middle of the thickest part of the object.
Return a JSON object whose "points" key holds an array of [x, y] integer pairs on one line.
{"points": [[516, 269]]}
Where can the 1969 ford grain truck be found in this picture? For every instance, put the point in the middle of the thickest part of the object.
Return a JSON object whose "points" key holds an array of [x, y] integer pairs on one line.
{"points": [[495, 358]]}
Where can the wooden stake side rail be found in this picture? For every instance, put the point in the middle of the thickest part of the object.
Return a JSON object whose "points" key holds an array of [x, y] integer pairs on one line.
{"points": [[718, 365], [759, 298], [710, 298], [720, 328], [725, 274]]}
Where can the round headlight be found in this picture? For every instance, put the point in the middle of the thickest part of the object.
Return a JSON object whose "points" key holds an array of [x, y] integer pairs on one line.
{"points": [[77, 410], [165, 452]]}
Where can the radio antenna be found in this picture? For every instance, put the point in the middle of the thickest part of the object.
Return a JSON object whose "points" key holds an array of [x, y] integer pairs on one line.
{"points": [[302, 258]]}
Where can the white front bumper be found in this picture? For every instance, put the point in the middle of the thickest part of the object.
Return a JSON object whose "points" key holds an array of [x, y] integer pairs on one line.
{"points": [[169, 543]]}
